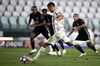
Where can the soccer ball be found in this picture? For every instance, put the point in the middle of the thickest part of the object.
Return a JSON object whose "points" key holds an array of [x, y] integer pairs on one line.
{"points": [[24, 59]]}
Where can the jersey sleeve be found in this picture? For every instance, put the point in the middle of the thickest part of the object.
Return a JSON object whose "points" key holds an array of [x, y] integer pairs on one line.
{"points": [[31, 16], [82, 22]]}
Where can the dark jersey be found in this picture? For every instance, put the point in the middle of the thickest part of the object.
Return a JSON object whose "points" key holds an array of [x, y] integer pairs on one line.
{"points": [[48, 19], [79, 22], [37, 18], [83, 32]]}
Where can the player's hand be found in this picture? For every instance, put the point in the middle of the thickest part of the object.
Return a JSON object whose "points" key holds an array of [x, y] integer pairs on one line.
{"points": [[75, 28]]}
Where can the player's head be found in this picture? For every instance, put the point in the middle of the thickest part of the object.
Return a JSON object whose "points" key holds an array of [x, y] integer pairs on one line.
{"points": [[34, 9], [51, 7], [75, 16], [44, 11]]}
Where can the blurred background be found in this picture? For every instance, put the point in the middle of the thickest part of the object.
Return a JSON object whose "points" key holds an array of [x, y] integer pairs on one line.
{"points": [[14, 16]]}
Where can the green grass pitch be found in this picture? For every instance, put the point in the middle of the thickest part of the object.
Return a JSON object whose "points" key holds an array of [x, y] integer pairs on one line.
{"points": [[10, 57]]}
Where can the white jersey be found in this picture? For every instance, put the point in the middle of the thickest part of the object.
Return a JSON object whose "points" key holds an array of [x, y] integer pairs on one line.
{"points": [[58, 25]]}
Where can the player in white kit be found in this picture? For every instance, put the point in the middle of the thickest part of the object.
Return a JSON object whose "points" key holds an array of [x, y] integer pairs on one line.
{"points": [[59, 32]]}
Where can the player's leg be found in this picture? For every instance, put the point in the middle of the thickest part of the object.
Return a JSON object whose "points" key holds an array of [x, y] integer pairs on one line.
{"points": [[33, 35], [51, 40], [62, 46]]}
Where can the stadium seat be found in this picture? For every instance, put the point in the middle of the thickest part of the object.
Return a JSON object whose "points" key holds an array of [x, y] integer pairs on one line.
{"points": [[21, 23], [70, 3], [96, 23], [68, 10], [5, 2], [16, 14], [84, 10], [66, 15], [97, 15], [1, 14], [19, 8], [76, 9], [13, 2], [27, 9], [7, 14], [70, 22], [60, 9], [78, 4], [45, 2], [92, 10], [38, 3], [4, 22], [82, 15], [30, 3], [2, 8], [94, 4], [21, 2], [10, 8], [86, 4], [13, 22], [90, 16], [24, 14], [62, 3], [98, 10]]}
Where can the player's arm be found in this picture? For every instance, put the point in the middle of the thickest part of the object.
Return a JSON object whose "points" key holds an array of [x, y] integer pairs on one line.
{"points": [[82, 26], [71, 31], [60, 17]]}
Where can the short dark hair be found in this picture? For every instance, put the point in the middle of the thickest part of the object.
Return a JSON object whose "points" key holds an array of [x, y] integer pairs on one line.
{"points": [[44, 10], [34, 6], [50, 4], [75, 14]]}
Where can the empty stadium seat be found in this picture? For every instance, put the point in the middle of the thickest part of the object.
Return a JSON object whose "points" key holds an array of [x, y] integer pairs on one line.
{"points": [[98, 10], [70, 3], [70, 21], [2, 8], [16, 14], [94, 4], [7, 14], [29, 3], [13, 2], [68, 10], [19, 8], [92, 10], [21, 2], [24, 14], [38, 3], [22, 23], [60, 9], [62, 3], [1, 14], [5, 2], [86, 4], [4, 22], [10, 8], [82, 15], [13, 22], [96, 23], [97, 15], [84, 10], [27, 9], [78, 4], [45, 3], [90, 16], [76, 9]]}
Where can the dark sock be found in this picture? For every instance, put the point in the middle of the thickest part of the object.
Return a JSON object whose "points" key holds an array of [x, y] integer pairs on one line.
{"points": [[79, 48], [55, 46], [61, 44], [91, 47], [32, 43]]}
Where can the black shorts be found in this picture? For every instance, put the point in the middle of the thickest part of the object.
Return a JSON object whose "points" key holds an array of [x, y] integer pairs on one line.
{"points": [[44, 32], [83, 37]]}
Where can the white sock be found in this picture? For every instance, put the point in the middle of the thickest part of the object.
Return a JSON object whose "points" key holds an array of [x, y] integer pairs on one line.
{"points": [[42, 49], [50, 48], [78, 42]]}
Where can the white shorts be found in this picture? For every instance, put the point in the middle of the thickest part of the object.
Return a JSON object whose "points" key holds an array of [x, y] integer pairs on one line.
{"points": [[60, 35]]}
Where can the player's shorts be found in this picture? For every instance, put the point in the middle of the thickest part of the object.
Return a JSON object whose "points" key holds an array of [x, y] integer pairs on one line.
{"points": [[60, 35], [83, 37]]}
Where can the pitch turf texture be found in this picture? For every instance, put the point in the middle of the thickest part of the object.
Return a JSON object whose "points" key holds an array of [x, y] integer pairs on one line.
{"points": [[10, 57]]}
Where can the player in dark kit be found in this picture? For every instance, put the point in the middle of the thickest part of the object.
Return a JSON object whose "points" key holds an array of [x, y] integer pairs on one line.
{"points": [[39, 27], [84, 35]]}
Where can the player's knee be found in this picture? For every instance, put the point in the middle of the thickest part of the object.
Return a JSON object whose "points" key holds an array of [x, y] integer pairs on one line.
{"points": [[33, 35], [69, 44]]}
